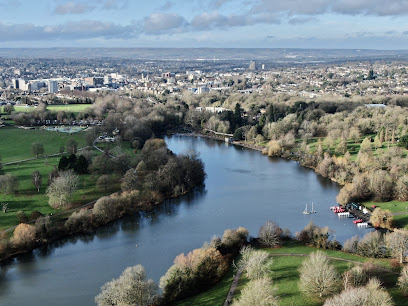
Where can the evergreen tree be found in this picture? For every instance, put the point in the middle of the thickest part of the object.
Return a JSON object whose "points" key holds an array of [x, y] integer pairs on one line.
{"points": [[237, 116], [81, 165], [63, 163]]}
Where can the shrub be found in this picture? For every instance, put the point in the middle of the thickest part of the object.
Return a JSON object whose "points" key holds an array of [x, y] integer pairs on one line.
{"points": [[106, 209], [270, 234], [193, 273], [319, 237], [21, 216], [371, 294], [274, 149], [23, 236], [233, 240], [79, 221]]}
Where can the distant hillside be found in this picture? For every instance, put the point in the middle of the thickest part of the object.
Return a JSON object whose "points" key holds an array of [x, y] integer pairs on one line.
{"points": [[283, 55]]}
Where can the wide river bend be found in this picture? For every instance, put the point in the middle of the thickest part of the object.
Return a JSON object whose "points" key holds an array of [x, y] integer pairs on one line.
{"points": [[243, 188]]}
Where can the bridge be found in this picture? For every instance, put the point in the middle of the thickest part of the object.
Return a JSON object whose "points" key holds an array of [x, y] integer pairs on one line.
{"points": [[218, 133]]}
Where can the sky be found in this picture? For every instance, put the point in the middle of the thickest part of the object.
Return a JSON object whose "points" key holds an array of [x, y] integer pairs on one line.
{"points": [[340, 24]]}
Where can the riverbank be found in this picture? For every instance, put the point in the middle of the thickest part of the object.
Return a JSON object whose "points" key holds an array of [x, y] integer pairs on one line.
{"points": [[160, 176], [285, 275], [398, 208]]}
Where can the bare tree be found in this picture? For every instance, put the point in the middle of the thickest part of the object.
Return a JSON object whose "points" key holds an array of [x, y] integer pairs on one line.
{"points": [[354, 277], [37, 148], [397, 242], [403, 280], [37, 180], [372, 294], [255, 263], [270, 234], [72, 146], [381, 218], [258, 292], [131, 288], [104, 182], [61, 188], [401, 188], [8, 184], [318, 276]]}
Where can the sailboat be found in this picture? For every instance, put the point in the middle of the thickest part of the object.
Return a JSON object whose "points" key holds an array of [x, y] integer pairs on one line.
{"points": [[312, 211], [306, 212]]}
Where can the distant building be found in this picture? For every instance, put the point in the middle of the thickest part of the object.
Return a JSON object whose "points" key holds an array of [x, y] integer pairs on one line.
{"points": [[94, 81], [23, 85], [52, 86], [15, 83], [252, 66], [107, 80], [376, 105], [203, 89], [166, 75]]}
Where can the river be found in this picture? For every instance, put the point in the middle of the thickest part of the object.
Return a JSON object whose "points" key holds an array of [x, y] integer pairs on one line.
{"points": [[243, 188]]}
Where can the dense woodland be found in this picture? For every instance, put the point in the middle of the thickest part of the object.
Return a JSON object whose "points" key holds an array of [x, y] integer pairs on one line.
{"points": [[363, 148]]}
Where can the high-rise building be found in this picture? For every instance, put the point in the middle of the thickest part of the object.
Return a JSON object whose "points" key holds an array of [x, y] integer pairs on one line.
{"points": [[52, 86], [16, 84], [107, 80], [252, 66]]}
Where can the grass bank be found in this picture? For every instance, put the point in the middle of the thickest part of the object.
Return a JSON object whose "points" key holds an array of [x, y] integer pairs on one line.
{"points": [[285, 277], [16, 143]]}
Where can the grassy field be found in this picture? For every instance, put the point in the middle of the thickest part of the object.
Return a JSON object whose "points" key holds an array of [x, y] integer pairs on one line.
{"points": [[285, 277], [16, 143], [73, 108], [28, 199]]}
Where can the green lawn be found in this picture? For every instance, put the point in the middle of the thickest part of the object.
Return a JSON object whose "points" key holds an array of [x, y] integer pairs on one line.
{"points": [[285, 277], [16, 143], [73, 108], [28, 199]]}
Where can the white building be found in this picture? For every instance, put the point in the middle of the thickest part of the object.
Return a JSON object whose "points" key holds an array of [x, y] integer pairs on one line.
{"points": [[52, 86]]}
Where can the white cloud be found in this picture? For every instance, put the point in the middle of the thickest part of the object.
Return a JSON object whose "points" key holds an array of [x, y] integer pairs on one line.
{"points": [[159, 23], [72, 7]]}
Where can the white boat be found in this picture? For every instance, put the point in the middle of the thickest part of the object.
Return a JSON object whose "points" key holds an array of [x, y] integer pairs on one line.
{"points": [[306, 212], [312, 211]]}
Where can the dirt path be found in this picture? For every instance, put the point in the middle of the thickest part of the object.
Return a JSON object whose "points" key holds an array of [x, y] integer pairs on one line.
{"points": [[234, 285], [41, 157], [400, 213]]}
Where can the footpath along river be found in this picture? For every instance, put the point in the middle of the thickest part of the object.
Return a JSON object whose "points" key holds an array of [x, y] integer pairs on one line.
{"points": [[243, 188]]}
